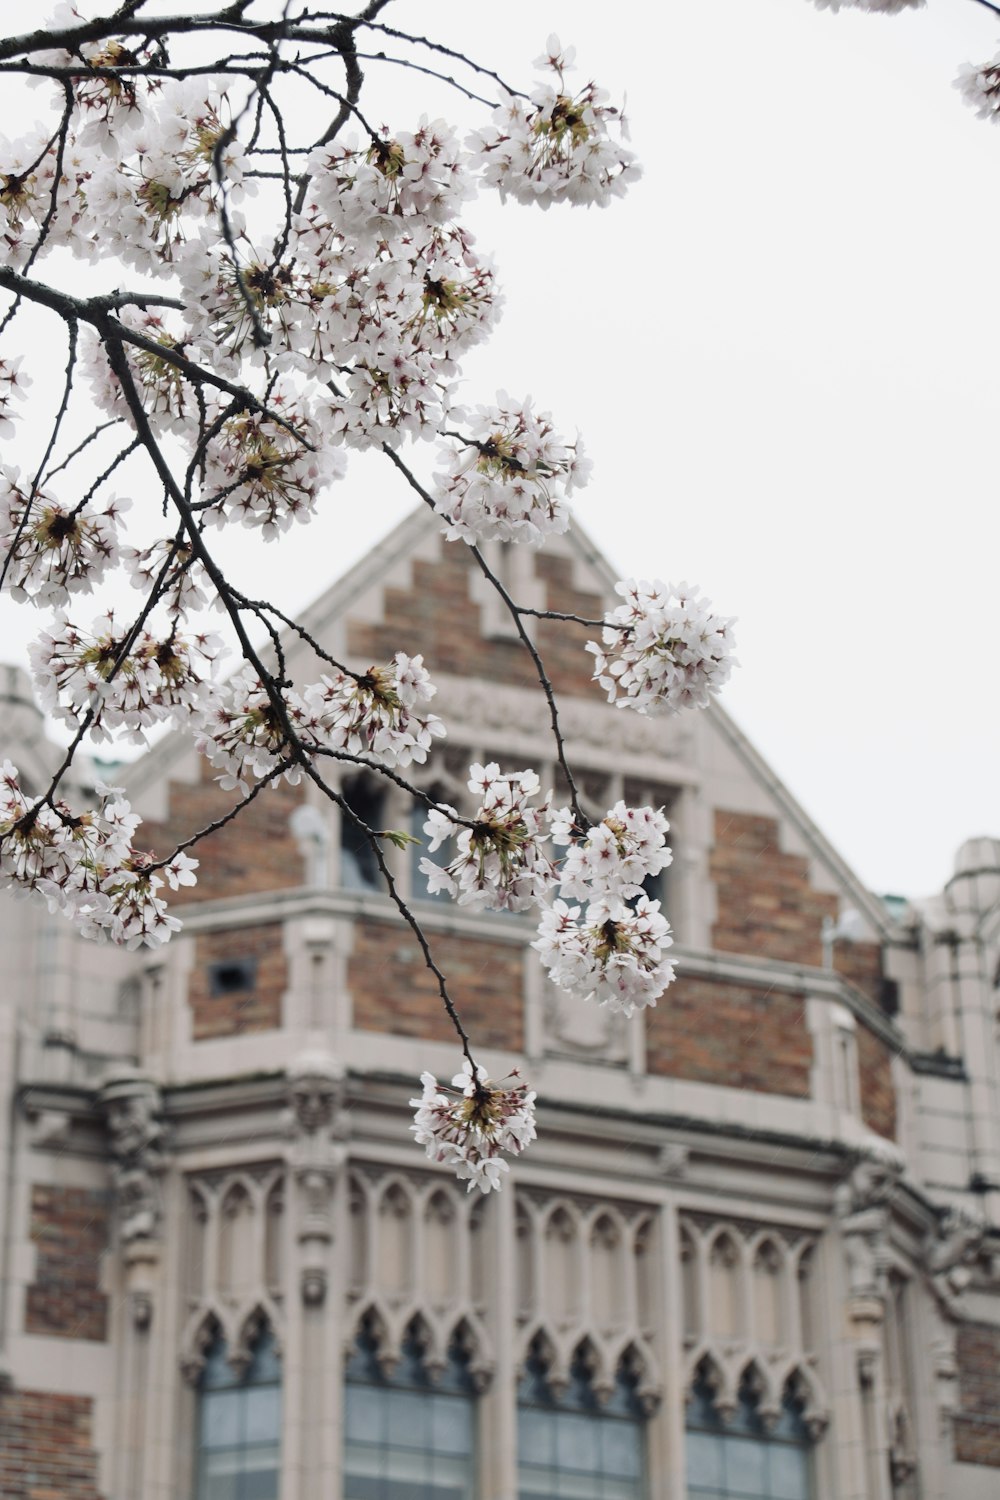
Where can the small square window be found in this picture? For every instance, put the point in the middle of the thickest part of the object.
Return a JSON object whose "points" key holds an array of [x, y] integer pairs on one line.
{"points": [[232, 976]]}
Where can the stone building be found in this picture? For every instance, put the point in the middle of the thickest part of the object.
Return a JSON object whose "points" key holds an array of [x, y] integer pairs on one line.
{"points": [[755, 1251]]}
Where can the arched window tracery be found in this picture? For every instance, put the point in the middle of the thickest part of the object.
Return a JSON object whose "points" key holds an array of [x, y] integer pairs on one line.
{"points": [[409, 1423], [238, 1434], [579, 1433]]}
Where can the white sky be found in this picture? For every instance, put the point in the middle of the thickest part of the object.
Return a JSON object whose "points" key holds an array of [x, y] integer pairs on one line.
{"points": [[778, 352]]}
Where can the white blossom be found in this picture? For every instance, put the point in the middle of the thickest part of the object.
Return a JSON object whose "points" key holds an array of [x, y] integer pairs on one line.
{"points": [[508, 476], [556, 147], [85, 865], [501, 863], [980, 88], [79, 671], [51, 551], [614, 955], [467, 1126], [239, 731], [380, 713], [614, 858], [663, 648], [885, 7]]}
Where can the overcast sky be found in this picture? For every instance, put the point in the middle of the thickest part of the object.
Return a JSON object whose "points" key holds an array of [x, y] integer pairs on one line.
{"points": [[779, 351]]}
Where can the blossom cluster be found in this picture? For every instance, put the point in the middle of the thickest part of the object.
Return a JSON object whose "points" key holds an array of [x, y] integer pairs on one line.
{"points": [[557, 147], [509, 477], [121, 679], [662, 648], [500, 864], [466, 1127], [980, 88], [379, 715], [85, 865], [614, 951], [51, 551]]}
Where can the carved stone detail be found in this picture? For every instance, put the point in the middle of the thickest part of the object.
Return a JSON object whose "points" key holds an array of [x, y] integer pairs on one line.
{"points": [[318, 1126], [863, 1205], [131, 1105]]}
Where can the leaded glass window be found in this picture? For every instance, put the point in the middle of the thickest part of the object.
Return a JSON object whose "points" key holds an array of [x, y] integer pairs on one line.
{"points": [[744, 1458], [239, 1425], [407, 1436], [572, 1444]]}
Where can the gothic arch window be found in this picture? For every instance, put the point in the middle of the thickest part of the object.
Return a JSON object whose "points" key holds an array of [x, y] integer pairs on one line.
{"points": [[239, 1423], [409, 1424], [359, 870], [746, 1453], [576, 1439]]}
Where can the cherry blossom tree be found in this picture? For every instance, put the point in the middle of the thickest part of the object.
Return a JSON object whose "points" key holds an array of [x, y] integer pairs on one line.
{"points": [[286, 294]]}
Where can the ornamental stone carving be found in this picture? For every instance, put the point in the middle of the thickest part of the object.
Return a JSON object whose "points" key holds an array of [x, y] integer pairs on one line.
{"points": [[318, 1128], [131, 1106], [130, 1103], [863, 1204], [950, 1255]]}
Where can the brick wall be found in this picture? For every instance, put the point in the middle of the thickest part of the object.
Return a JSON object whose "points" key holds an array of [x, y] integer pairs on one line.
{"points": [[714, 1032], [255, 852], [69, 1227], [46, 1450], [438, 617], [256, 1007], [861, 964], [393, 990], [764, 901], [878, 1093], [977, 1423]]}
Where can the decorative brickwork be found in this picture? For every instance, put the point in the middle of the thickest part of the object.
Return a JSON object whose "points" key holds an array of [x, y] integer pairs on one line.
{"points": [[977, 1423], [713, 1032], [69, 1226], [878, 1093], [237, 1008], [764, 901], [394, 991], [439, 617], [255, 852], [46, 1448]]}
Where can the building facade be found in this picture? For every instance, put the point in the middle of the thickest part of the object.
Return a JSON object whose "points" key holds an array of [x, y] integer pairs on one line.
{"points": [[755, 1251]]}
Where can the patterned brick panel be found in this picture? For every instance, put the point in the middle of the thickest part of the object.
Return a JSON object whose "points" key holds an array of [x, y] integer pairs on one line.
{"points": [[713, 1032], [438, 617], [255, 852], [46, 1450], [878, 1094], [977, 1423], [70, 1228], [861, 964], [764, 901], [395, 992], [256, 1007]]}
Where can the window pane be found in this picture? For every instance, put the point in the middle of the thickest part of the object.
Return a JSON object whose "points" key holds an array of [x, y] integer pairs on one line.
{"points": [[262, 1415], [408, 1418], [704, 1459], [746, 1460], [622, 1449], [220, 1418], [576, 1443], [451, 1424], [536, 1436], [364, 1413], [789, 1472], [260, 1474]]}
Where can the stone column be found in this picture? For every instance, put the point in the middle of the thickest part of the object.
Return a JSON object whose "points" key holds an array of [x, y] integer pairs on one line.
{"points": [[130, 1102], [317, 1130]]}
